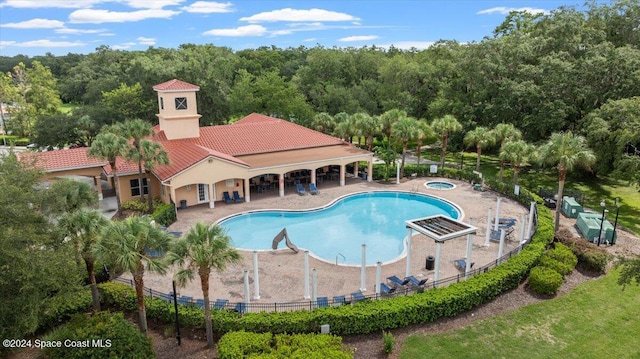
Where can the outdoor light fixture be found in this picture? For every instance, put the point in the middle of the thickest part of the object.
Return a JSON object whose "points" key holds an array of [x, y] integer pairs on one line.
{"points": [[604, 208], [615, 224]]}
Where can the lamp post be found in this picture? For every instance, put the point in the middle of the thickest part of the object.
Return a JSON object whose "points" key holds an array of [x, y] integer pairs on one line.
{"points": [[615, 224], [604, 208]]}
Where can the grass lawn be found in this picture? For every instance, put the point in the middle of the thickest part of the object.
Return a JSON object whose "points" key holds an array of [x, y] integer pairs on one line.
{"points": [[595, 320]]}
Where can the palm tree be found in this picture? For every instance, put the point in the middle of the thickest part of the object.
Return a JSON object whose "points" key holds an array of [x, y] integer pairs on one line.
{"points": [[68, 196], [135, 131], [345, 127], [567, 151], [83, 227], [518, 153], [109, 146], [152, 154], [390, 117], [368, 126], [423, 132], [479, 137], [124, 243], [204, 248], [323, 122], [444, 127], [404, 130], [505, 132]]}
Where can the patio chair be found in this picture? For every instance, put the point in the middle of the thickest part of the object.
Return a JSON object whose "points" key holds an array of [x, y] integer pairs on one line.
{"points": [[220, 304], [339, 300], [416, 282], [461, 264], [236, 197], [300, 189], [185, 300], [240, 308], [385, 289], [200, 303], [357, 296], [227, 198], [313, 189], [322, 302], [397, 282]]}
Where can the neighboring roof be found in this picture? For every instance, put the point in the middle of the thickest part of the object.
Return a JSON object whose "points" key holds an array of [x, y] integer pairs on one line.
{"points": [[60, 160], [176, 85], [261, 134], [305, 155]]}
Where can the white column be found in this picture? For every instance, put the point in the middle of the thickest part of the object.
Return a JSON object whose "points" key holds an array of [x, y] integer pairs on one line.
{"points": [[486, 240], [363, 269], [342, 175], [355, 169], [436, 274], [281, 184], [496, 224], [314, 280], [531, 216], [523, 223], [247, 300], [313, 176], [468, 256], [306, 275], [408, 269], [370, 171], [378, 277], [256, 281], [247, 190], [212, 198], [501, 247], [397, 172]]}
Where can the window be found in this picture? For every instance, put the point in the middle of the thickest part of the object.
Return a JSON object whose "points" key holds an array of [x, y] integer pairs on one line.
{"points": [[162, 103], [181, 103], [135, 187]]}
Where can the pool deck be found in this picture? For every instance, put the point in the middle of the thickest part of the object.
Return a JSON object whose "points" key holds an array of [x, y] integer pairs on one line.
{"points": [[281, 273]]}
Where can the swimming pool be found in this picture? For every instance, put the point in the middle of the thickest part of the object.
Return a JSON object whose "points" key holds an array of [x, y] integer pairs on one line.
{"points": [[442, 185], [339, 229]]}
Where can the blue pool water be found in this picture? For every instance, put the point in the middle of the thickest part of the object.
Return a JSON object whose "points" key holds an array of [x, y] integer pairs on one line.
{"points": [[373, 218], [440, 185]]}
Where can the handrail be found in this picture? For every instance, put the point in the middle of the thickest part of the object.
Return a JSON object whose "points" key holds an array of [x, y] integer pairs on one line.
{"points": [[344, 259]]}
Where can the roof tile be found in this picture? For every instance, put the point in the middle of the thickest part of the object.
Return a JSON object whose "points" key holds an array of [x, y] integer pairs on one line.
{"points": [[175, 84]]}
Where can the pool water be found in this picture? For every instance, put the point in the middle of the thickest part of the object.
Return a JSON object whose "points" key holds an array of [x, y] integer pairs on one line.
{"points": [[440, 185], [339, 230]]}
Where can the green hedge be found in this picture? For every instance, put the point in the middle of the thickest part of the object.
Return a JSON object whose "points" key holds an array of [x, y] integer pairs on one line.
{"points": [[544, 280], [14, 140], [165, 214], [104, 335], [370, 316], [61, 307]]}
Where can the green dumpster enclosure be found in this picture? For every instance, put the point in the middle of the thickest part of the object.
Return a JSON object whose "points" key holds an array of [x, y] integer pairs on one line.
{"points": [[570, 207], [589, 227]]}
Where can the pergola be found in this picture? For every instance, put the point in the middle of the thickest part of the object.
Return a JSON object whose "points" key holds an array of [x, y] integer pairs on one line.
{"points": [[440, 228]]}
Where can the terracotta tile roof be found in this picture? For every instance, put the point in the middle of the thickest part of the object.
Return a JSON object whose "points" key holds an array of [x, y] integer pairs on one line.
{"points": [[175, 85], [259, 134], [59, 160]]}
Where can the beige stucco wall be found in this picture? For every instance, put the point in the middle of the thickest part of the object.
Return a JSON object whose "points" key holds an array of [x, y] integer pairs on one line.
{"points": [[178, 123]]}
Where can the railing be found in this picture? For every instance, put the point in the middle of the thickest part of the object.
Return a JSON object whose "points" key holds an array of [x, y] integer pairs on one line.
{"points": [[310, 305], [344, 259]]}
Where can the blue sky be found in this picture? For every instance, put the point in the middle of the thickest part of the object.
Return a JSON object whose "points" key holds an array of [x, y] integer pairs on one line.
{"points": [[35, 27]]}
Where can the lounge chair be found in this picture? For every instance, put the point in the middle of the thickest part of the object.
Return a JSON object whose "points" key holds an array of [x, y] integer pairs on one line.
{"points": [[185, 300], [220, 304], [461, 264], [357, 296], [300, 189], [227, 198], [339, 300], [200, 303], [495, 235], [322, 302], [415, 282], [313, 189], [386, 289], [397, 282], [236, 197], [240, 308]]}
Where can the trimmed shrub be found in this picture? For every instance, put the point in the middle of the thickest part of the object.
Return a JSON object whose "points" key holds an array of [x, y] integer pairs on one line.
{"points": [[61, 307], [118, 295], [238, 345], [165, 214], [105, 335], [135, 205], [544, 280], [590, 256], [556, 265]]}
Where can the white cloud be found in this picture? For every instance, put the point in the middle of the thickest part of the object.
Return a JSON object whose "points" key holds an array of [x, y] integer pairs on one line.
{"points": [[79, 31], [94, 16], [6, 43], [146, 41], [68, 4], [408, 45], [106, 34], [43, 43], [281, 32], [358, 38], [249, 30], [289, 14], [151, 4], [506, 10], [126, 45], [35, 24], [311, 39], [207, 7]]}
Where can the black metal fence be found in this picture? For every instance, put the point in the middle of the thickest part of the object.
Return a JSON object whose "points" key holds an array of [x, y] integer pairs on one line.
{"points": [[337, 300]]}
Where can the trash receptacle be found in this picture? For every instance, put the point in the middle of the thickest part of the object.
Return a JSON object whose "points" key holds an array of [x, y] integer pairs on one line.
{"points": [[430, 263], [183, 204]]}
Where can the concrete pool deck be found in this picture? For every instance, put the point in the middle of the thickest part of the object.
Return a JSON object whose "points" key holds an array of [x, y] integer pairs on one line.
{"points": [[281, 272]]}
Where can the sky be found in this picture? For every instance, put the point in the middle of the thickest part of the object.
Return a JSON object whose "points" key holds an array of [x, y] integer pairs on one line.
{"points": [[37, 27]]}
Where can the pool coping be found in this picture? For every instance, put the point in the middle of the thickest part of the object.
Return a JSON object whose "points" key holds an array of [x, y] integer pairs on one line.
{"points": [[440, 189]]}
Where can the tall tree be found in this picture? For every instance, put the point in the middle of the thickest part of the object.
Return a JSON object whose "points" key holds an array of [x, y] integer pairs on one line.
{"points": [[345, 127], [390, 117], [424, 132], [203, 249], [480, 137], [566, 151], [505, 132], [84, 227], [323, 122], [152, 154], [135, 130], [444, 127], [367, 126], [125, 244], [518, 153], [404, 130], [109, 146], [130, 102], [68, 196]]}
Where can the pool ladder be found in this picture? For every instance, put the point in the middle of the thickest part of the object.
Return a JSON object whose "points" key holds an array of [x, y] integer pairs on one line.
{"points": [[344, 259]]}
